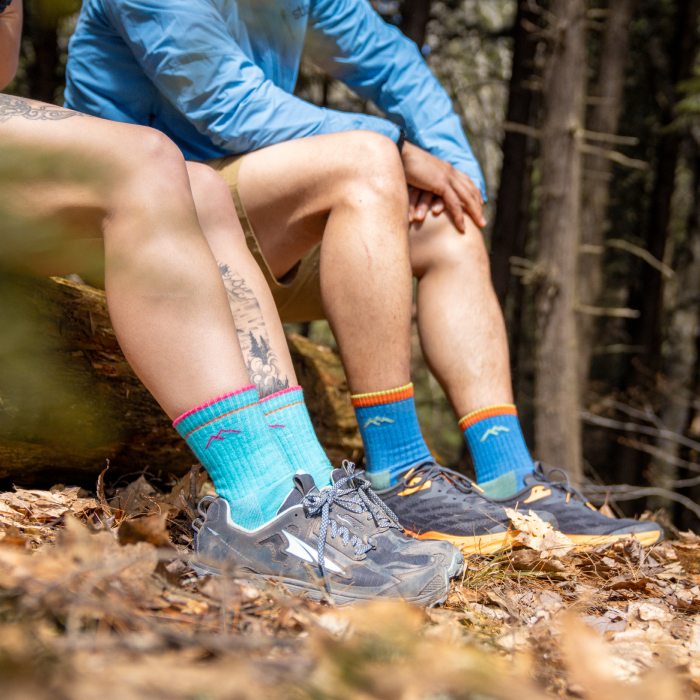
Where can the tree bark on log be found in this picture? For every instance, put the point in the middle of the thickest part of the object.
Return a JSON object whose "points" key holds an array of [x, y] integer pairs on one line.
{"points": [[557, 423], [47, 437]]}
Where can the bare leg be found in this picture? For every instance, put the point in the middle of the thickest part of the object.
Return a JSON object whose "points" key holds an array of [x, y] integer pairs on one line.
{"points": [[347, 191], [165, 297], [260, 331], [460, 322]]}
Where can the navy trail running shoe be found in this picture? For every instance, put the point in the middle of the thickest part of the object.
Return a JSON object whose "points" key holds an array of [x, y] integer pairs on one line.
{"points": [[573, 515], [320, 544], [436, 503]]}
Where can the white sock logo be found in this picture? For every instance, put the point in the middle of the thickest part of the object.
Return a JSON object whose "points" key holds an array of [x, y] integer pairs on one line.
{"points": [[494, 432], [301, 550]]}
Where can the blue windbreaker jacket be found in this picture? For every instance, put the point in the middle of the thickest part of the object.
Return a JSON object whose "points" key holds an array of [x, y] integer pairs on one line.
{"points": [[217, 76]]}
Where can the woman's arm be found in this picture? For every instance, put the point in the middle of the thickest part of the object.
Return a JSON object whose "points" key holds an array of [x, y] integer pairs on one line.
{"points": [[10, 35]]}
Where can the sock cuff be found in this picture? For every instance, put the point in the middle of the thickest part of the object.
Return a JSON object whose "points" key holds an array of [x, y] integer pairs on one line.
{"points": [[293, 396], [378, 398], [505, 409], [215, 409]]}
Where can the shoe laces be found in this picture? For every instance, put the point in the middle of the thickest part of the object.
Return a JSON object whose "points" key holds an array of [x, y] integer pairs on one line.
{"points": [[564, 484], [352, 493], [432, 470]]}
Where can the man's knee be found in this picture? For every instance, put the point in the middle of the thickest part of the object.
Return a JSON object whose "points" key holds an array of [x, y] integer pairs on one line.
{"points": [[371, 168], [438, 244]]}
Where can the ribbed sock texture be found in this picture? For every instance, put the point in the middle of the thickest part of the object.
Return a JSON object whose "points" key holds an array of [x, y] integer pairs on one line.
{"points": [[288, 420], [391, 434], [496, 443], [231, 439]]}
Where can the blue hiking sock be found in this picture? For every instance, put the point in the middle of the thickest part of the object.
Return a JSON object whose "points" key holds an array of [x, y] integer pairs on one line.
{"points": [[288, 419], [391, 434], [497, 447], [231, 439]]}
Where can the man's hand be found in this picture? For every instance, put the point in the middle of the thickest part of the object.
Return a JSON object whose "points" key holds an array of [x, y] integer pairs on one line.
{"points": [[436, 185]]}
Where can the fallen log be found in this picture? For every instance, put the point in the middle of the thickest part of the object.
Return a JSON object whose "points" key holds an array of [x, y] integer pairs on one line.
{"points": [[65, 412]]}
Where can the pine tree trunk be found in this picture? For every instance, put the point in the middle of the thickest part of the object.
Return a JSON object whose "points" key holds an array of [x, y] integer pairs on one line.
{"points": [[557, 423], [680, 349], [62, 424], [414, 23], [604, 118], [510, 223]]}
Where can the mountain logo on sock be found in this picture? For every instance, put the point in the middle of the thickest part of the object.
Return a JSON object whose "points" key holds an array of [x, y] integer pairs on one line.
{"points": [[220, 436], [494, 432], [377, 421], [301, 550]]}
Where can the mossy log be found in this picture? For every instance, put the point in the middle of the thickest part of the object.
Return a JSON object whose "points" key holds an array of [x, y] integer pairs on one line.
{"points": [[69, 401]]}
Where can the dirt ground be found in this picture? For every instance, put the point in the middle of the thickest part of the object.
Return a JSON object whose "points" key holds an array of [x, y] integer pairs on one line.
{"points": [[97, 601]]}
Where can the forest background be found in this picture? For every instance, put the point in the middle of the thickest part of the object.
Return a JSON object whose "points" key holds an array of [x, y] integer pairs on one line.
{"points": [[586, 126]]}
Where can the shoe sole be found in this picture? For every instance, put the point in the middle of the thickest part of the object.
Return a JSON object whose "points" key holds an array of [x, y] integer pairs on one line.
{"points": [[479, 544], [319, 594], [646, 539]]}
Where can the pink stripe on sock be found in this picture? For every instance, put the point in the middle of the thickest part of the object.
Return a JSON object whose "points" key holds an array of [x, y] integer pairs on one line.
{"points": [[279, 393], [209, 403]]}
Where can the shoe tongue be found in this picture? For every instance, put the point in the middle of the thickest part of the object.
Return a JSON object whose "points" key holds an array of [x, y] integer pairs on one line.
{"points": [[531, 479], [303, 484], [337, 475]]}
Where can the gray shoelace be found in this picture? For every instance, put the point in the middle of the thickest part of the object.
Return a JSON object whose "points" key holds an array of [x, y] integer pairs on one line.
{"points": [[565, 483], [432, 470], [354, 494]]}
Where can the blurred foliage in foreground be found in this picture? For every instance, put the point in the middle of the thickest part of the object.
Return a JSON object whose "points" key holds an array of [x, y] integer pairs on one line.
{"points": [[97, 600]]}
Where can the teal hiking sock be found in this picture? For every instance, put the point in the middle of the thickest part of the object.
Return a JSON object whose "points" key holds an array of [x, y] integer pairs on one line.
{"points": [[231, 439], [288, 420], [391, 434], [500, 455]]}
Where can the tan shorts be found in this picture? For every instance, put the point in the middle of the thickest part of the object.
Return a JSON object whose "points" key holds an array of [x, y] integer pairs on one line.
{"points": [[298, 297]]}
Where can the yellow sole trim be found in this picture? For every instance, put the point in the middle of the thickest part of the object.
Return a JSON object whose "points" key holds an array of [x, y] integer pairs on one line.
{"points": [[478, 544], [646, 539]]}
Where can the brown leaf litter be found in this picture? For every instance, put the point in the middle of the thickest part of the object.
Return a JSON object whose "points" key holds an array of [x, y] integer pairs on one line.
{"points": [[97, 600]]}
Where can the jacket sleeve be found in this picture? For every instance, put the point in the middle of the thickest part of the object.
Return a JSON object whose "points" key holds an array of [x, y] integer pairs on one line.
{"points": [[351, 42], [185, 49]]}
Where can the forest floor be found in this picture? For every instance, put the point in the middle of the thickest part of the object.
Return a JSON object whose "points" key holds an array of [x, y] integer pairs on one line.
{"points": [[97, 601]]}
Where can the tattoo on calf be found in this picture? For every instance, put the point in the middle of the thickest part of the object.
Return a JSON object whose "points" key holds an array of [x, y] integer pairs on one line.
{"points": [[12, 106], [261, 361]]}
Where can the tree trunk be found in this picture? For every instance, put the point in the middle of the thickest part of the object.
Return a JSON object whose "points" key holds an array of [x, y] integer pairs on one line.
{"points": [[604, 118], [648, 333], [680, 352], [90, 407], [557, 424], [510, 223], [414, 19]]}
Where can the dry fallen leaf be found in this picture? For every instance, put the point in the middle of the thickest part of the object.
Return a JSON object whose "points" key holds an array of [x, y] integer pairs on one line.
{"points": [[535, 533]]}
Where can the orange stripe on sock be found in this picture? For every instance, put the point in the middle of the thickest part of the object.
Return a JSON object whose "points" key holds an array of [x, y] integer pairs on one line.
{"points": [[379, 398], [281, 408], [213, 420], [506, 409]]}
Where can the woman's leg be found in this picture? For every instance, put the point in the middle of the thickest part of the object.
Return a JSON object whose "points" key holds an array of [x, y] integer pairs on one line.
{"points": [[166, 300], [260, 331]]}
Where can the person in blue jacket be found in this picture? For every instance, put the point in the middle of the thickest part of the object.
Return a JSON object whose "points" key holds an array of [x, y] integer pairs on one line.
{"points": [[342, 211]]}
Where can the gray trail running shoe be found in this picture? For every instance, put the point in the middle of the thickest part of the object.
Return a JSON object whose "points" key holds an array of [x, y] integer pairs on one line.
{"points": [[436, 503], [574, 516], [389, 531], [320, 544]]}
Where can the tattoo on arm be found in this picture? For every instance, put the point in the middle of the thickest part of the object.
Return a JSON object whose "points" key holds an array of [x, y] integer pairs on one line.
{"points": [[262, 363], [12, 106]]}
